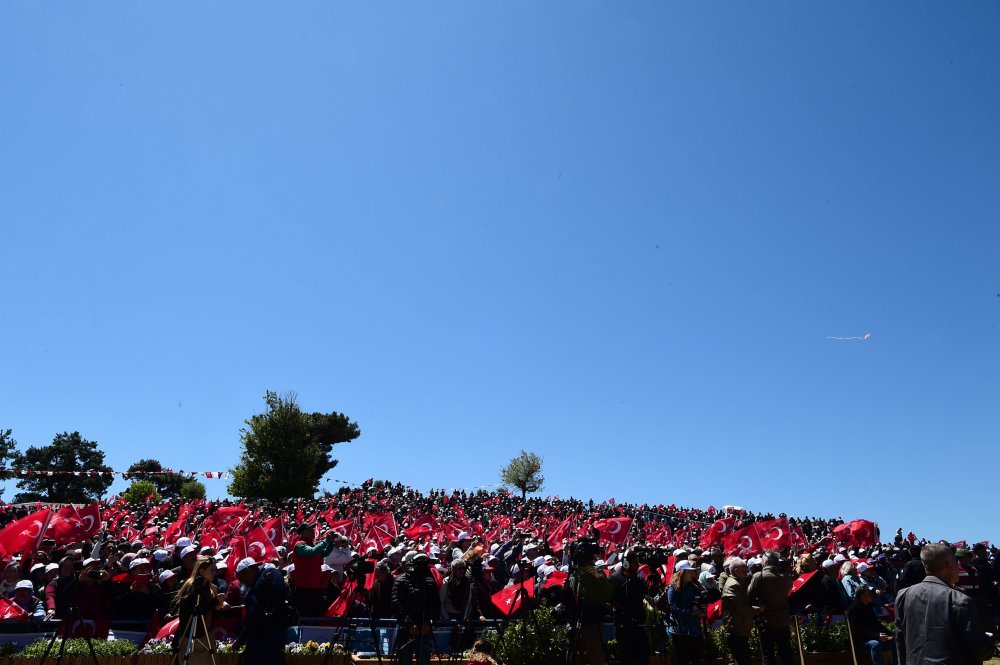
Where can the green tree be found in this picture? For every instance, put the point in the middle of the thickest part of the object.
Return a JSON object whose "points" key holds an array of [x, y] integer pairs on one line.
{"points": [[67, 453], [167, 485], [8, 450], [286, 451], [525, 473], [137, 493], [192, 489]]}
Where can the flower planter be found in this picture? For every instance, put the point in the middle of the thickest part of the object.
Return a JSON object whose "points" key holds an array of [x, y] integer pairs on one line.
{"points": [[315, 659], [69, 660]]}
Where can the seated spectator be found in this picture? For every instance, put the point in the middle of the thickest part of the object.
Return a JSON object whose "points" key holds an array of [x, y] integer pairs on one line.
{"points": [[24, 597], [870, 636]]}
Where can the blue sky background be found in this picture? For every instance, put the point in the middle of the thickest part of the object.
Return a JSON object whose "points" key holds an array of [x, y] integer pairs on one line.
{"points": [[616, 234]]}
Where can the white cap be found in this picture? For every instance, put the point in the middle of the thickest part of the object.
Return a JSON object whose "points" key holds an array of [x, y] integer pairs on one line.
{"points": [[188, 550], [160, 555], [463, 536], [183, 542], [138, 561], [862, 567], [828, 563], [36, 567], [24, 584], [244, 564], [840, 558], [52, 566], [684, 565], [88, 561], [538, 562], [166, 575]]}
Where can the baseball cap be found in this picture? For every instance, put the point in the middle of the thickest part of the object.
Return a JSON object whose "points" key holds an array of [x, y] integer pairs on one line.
{"points": [[828, 563], [684, 565], [24, 584], [244, 564], [166, 575]]}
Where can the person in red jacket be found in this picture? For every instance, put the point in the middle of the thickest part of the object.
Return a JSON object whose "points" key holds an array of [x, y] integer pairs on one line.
{"points": [[308, 576]]}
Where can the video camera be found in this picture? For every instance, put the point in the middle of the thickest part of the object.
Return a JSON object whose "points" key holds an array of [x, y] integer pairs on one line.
{"points": [[582, 551], [359, 567], [653, 557]]}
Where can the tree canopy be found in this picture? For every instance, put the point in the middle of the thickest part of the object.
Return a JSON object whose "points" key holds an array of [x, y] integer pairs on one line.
{"points": [[525, 473], [167, 485], [67, 453], [192, 489], [139, 492], [7, 451], [286, 451]]}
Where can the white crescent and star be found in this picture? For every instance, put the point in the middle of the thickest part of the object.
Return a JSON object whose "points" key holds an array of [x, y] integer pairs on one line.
{"points": [[618, 527], [90, 525], [780, 533]]}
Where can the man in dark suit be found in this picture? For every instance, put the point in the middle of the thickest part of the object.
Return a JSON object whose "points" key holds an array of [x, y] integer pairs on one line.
{"points": [[937, 623]]}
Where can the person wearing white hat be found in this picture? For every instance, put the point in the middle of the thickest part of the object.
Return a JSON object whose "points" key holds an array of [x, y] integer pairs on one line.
{"points": [[462, 544], [737, 611], [685, 613], [24, 597], [264, 595]]}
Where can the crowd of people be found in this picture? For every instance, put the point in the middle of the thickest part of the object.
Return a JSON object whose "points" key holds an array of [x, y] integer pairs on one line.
{"points": [[385, 551]]}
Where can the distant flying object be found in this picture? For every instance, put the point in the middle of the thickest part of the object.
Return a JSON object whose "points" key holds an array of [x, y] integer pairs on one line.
{"points": [[860, 338]]}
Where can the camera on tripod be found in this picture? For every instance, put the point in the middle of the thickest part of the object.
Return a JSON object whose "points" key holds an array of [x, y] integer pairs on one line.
{"points": [[358, 567], [583, 551]]}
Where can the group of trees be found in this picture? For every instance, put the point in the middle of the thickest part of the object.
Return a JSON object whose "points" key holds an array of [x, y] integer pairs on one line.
{"points": [[286, 453]]}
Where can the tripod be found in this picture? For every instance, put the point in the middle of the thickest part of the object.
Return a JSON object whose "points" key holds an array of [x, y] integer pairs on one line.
{"points": [[343, 624], [64, 628], [188, 640]]}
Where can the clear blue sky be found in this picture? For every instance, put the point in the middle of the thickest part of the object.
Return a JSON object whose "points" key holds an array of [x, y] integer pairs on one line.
{"points": [[613, 233]]}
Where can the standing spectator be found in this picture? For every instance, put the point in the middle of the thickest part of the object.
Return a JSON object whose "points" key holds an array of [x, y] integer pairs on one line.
{"points": [[935, 622], [264, 594], [416, 604], [769, 589], [311, 581], [737, 612], [630, 592], [686, 615]]}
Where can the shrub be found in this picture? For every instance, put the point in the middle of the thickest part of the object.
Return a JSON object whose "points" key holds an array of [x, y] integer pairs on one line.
{"points": [[78, 647], [536, 641]]}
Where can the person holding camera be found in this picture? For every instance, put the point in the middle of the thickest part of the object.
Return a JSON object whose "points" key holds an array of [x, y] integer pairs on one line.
{"points": [[592, 591], [309, 578], [686, 613], [196, 604], [416, 603], [629, 602]]}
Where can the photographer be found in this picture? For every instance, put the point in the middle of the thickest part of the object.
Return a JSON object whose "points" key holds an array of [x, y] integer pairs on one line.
{"points": [[686, 613], [592, 591], [629, 601], [416, 604], [309, 578]]}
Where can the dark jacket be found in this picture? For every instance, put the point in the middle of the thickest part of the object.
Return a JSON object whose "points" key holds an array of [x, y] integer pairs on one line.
{"points": [[911, 573], [865, 626], [629, 594], [415, 599], [936, 624], [769, 589]]}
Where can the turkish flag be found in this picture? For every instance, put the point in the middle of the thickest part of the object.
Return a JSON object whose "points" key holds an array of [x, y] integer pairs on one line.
{"points": [[275, 530], [226, 520], [211, 538], [168, 629], [563, 531], [174, 531], [659, 534], [774, 534], [128, 534], [11, 611], [343, 527], [238, 552], [90, 520], [714, 612], [385, 521], [259, 546], [64, 526], [555, 578], [798, 538], [800, 582], [423, 526], [614, 530], [717, 533], [743, 542], [339, 606], [376, 538], [859, 533], [23, 535], [508, 600]]}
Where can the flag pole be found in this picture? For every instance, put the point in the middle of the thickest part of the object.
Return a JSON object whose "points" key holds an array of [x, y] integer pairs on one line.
{"points": [[850, 638], [798, 638]]}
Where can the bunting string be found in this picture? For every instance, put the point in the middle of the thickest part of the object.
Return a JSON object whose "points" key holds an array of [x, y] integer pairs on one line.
{"points": [[222, 475]]}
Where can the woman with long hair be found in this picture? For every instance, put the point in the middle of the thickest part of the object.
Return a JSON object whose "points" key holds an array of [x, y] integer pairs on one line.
{"points": [[686, 613], [196, 602]]}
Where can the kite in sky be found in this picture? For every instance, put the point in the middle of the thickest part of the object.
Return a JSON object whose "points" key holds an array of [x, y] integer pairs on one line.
{"points": [[861, 338]]}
